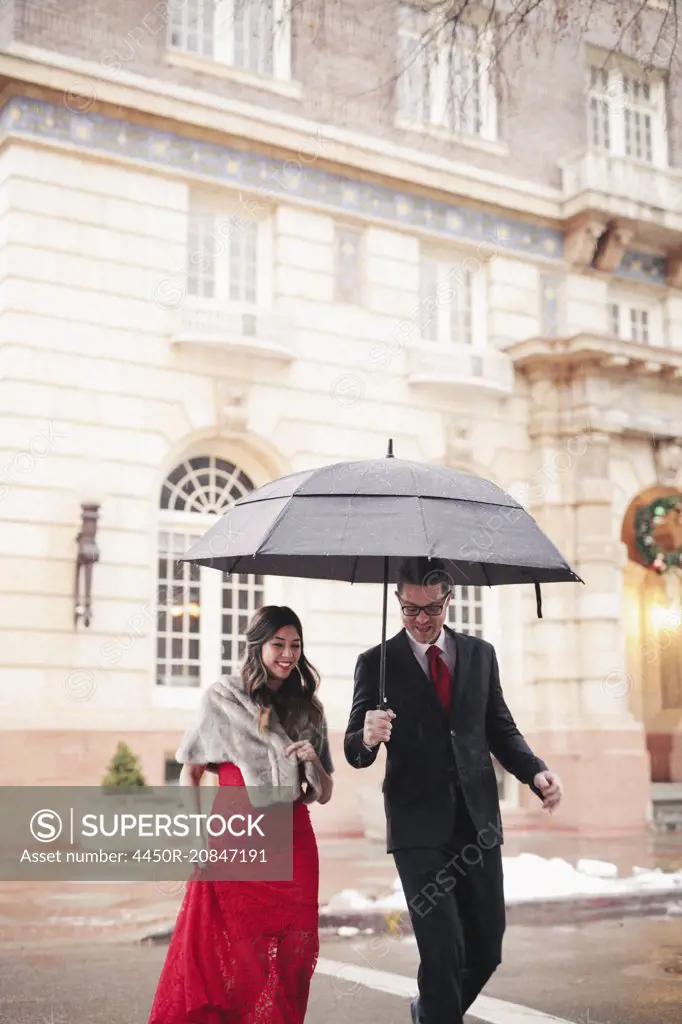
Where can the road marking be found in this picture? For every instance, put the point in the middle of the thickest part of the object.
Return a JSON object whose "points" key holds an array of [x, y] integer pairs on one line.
{"points": [[349, 977]]}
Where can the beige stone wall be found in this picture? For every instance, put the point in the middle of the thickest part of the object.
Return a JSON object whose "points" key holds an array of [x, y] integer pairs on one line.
{"points": [[88, 366], [96, 403]]}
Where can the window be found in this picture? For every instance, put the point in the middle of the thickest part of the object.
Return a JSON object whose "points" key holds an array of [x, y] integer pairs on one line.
{"points": [[348, 264], [633, 321], [223, 256], [172, 770], [465, 611], [202, 614], [252, 35], [626, 113], [444, 80], [451, 300]]}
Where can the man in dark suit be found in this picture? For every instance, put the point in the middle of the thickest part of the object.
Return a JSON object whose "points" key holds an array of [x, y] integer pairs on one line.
{"points": [[447, 715]]}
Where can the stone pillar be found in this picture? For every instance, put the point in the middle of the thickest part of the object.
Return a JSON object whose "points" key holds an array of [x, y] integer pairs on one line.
{"points": [[584, 727]]}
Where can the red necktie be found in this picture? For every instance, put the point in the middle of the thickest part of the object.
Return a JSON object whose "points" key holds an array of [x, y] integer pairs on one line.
{"points": [[440, 676]]}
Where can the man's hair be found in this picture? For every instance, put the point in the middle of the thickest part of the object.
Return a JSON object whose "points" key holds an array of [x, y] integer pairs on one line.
{"points": [[424, 572]]}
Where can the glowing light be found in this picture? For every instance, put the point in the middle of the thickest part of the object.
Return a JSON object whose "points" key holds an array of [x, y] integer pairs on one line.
{"points": [[193, 610], [666, 616]]}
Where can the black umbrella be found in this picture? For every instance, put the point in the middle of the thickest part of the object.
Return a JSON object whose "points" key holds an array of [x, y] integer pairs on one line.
{"points": [[357, 521]]}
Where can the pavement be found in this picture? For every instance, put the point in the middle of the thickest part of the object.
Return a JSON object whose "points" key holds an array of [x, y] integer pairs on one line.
{"points": [[605, 972], [84, 953], [130, 911]]}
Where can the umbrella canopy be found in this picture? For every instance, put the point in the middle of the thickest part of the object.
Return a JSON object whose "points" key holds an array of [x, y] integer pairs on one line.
{"points": [[357, 521]]}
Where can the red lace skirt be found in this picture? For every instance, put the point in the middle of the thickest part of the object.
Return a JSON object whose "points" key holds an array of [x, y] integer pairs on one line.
{"points": [[244, 952]]}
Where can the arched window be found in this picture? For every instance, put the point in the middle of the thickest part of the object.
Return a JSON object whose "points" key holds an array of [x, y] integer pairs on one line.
{"points": [[202, 614]]}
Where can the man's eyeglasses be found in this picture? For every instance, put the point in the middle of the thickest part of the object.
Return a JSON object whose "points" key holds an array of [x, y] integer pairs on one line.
{"points": [[432, 610]]}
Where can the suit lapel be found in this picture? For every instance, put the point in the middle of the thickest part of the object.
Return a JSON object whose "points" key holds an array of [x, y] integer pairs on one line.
{"points": [[413, 672], [464, 649]]}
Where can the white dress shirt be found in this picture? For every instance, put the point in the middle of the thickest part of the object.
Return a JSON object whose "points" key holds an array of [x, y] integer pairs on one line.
{"points": [[446, 644]]}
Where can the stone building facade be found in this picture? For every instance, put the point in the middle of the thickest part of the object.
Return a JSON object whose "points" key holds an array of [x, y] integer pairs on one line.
{"points": [[236, 243]]}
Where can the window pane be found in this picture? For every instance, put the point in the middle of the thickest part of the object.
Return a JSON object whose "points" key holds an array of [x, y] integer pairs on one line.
{"points": [[638, 119], [598, 108], [208, 484], [191, 25], [464, 80], [178, 614], [428, 308], [202, 247], [412, 69], [254, 27], [631, 323], [615, 319], [460, 309], [242, 256], [465, 611], [249, 597]]}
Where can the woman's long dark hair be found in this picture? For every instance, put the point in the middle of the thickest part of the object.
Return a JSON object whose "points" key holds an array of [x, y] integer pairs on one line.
{"points": [[295, 702]]}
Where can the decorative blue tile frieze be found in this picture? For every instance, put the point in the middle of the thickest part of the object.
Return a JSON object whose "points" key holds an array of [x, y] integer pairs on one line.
{"points": [[642, 267], [299, 179]]}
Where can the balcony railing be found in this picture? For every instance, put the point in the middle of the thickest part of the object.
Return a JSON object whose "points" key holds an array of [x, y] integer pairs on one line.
{"points": [[619, 186], [460, 366], [253, 331]]}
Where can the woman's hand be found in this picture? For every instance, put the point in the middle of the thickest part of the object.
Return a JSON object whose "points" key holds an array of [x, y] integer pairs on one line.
{"points": [[303, 750]]}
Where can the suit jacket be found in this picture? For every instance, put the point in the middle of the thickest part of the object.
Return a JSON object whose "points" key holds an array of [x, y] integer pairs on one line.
{"points": [[432, 761]]}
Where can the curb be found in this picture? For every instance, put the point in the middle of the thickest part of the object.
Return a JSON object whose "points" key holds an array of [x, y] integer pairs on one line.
{"points": [[557, 911], [560, 910]]}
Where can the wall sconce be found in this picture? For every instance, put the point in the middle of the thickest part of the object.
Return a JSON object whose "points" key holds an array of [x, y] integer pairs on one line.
{"points": [[88, 554]]}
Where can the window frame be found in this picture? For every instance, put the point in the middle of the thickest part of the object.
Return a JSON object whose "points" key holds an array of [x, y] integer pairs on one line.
{"points": [[221, 51], [228, 222], [614, 109], [434, 59], [629, 302], [211, 659], [453, 264]]}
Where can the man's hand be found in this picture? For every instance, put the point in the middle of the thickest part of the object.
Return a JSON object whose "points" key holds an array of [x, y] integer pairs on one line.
{"points": [[549, 785], [377, 728]]}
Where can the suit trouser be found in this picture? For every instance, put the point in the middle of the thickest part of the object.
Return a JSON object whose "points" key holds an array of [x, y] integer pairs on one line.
{"points": [[455, 898]]}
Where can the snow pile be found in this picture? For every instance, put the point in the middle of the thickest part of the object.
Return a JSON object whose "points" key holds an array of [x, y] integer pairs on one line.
{"points": [[529, 877]]}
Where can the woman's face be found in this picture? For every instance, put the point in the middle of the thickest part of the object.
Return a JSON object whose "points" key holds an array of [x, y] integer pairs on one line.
{"points": [[280, 654]]}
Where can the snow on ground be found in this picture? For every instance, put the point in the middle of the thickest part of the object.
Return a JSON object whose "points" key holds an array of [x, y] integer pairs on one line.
{"points": [[529, 877]]}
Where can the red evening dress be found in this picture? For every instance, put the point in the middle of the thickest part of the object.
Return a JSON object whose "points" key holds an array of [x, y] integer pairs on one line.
{"points": [[244, 952]]}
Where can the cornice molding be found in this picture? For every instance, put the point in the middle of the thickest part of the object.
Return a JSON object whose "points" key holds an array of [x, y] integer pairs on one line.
{"points": [[584, 352], [99, 84], [303, 180]]}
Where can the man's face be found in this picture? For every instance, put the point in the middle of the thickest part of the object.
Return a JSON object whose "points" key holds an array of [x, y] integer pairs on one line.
{"points": [[423, 610]]}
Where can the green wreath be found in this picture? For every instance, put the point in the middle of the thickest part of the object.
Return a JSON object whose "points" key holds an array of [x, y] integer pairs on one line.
{"points": [[647, 518]]}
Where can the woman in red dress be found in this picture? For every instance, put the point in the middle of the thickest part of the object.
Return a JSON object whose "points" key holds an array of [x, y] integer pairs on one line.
{"points": [[244, 952]]}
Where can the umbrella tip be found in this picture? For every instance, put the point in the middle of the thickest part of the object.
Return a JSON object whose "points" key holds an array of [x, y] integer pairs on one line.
{"points": [[389, 454]]}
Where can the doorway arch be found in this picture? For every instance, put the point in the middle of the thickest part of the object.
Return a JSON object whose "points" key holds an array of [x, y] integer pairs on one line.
{"points": [[652, 618]]}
